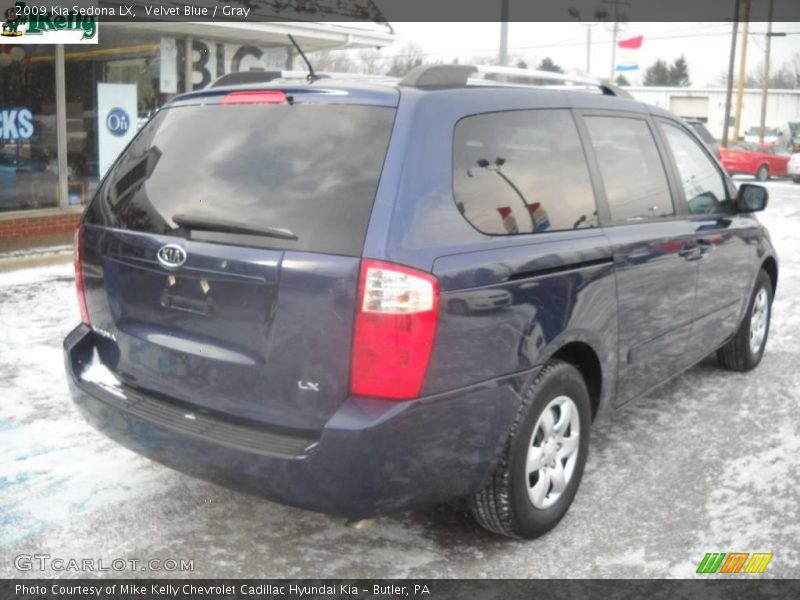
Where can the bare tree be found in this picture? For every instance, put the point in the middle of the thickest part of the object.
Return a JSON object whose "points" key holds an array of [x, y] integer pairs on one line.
{"points": [[337, 61], [785, 77], [372, 62], [409, 56]]}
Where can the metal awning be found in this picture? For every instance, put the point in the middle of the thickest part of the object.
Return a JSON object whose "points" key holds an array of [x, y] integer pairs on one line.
{"points": [[310, 36]]}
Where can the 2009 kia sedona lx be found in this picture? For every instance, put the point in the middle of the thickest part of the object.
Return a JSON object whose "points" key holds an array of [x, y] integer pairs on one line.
{"points": [[362, 296]]}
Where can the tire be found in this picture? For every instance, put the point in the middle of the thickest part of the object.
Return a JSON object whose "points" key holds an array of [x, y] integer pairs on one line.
{"points": [[506, 506], [796, 179], [763, 173], [744, 351], [458, 307]]}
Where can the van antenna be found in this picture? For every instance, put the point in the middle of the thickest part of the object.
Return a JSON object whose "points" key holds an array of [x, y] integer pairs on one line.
{"points": [[311, 75]]}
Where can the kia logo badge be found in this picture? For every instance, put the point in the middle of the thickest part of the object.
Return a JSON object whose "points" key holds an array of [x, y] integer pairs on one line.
{"points": [[171, 256]]}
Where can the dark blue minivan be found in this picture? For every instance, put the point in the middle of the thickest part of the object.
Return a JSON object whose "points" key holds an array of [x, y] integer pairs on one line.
{"points": [[359, 296]]}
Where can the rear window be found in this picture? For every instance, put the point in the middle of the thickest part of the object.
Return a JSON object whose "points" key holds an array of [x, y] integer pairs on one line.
{"points": [[309, 169]]}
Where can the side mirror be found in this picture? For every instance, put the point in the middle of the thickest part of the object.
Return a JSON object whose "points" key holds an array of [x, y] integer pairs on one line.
{"points": [[751, 198]]}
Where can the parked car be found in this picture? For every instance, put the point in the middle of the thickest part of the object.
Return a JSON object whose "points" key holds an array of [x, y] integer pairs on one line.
{"points": [[264, 279], [773, 135], [794, 128], [479, 300], [762, 162], [704, 134], [793, 167]]}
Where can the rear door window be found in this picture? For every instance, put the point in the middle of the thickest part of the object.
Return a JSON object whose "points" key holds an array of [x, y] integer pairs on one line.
{"points": [[309, 169], [633, 174], [522, 172]]}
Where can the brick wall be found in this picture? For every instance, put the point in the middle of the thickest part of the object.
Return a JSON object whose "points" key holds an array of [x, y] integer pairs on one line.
{"points": [[22, 227]]}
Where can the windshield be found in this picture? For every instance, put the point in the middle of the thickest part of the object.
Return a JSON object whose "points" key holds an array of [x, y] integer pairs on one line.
{"points": [[746, 146], [770, 131], [310, 169]]}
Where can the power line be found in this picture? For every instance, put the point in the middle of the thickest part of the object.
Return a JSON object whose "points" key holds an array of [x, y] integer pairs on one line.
{"points": [[695, 32], [559, 45]]}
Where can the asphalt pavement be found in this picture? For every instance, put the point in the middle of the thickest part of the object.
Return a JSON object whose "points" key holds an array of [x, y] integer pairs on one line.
{"points": [[706, 463]]}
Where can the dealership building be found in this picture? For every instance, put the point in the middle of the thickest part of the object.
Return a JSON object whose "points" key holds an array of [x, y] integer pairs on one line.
{"points": [[708, 105], [67, 110]]}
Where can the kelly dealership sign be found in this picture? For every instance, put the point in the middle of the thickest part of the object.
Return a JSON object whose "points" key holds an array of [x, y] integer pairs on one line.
{"points": [[49, 24]]}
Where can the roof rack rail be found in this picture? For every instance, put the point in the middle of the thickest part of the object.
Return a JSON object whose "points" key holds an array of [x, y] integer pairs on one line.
{"points": [[458, 75]]}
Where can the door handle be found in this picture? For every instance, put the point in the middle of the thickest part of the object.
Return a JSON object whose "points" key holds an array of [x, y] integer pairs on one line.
{"points": [[705, 245], [690, 251]]}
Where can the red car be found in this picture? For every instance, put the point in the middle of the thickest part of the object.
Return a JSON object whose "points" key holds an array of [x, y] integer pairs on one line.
{"points": [[762, 162]]}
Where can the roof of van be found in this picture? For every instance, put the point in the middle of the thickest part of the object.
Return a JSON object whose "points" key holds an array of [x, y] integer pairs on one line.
{"points": [[386, 91]]}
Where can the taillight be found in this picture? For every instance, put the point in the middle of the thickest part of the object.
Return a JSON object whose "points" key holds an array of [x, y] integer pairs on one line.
{"points": [[79, 275], [255, 97], [394, 330]]}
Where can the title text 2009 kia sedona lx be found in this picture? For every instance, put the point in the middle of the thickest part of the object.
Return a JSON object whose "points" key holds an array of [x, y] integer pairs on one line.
{"points": [[362, 296]]}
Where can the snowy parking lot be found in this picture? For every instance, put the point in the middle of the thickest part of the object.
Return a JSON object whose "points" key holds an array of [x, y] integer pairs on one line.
{"points": [[710, 462]]}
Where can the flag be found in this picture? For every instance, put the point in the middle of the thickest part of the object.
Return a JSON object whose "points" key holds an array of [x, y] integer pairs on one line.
{"points": [[628, 54]]}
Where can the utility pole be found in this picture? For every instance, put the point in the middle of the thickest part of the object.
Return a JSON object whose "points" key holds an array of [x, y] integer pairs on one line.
{"points": [[615, 30], [503, 55], [598, 14], [731, 62], [614, 50], [742, 68], [765, 89]]}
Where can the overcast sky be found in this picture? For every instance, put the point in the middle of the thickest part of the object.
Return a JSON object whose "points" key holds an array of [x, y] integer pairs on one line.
{"points": [[706, 46]]}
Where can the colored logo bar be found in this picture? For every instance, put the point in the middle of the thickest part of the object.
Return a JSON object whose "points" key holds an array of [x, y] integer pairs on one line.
{"points": [[734, 562]]}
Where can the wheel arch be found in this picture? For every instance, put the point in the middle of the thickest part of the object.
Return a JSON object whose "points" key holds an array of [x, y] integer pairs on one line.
{"points": [[584, 358], [770, 265]]}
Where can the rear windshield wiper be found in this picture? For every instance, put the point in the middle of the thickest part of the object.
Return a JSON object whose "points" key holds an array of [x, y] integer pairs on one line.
{"points": [[219, 225]]}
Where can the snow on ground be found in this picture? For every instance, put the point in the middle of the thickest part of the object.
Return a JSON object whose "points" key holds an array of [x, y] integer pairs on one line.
{"points": [[709, 462]]}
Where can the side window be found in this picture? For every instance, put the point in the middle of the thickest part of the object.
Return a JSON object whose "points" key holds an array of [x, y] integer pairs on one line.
{"points": [[522, 172], [702, 182], [633, 174]]}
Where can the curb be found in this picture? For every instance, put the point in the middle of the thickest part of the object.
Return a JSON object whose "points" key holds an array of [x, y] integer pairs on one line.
{"points": [[39, 257]]}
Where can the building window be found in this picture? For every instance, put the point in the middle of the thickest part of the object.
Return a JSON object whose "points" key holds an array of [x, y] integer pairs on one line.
{"points": [[28, 164], [111, 90]]}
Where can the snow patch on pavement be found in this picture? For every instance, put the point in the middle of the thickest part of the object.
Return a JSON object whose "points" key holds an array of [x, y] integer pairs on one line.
{"points": [[708, 462]]}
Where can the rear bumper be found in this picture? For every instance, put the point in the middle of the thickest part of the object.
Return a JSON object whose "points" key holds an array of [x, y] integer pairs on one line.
{"points": [[372, 456]]}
